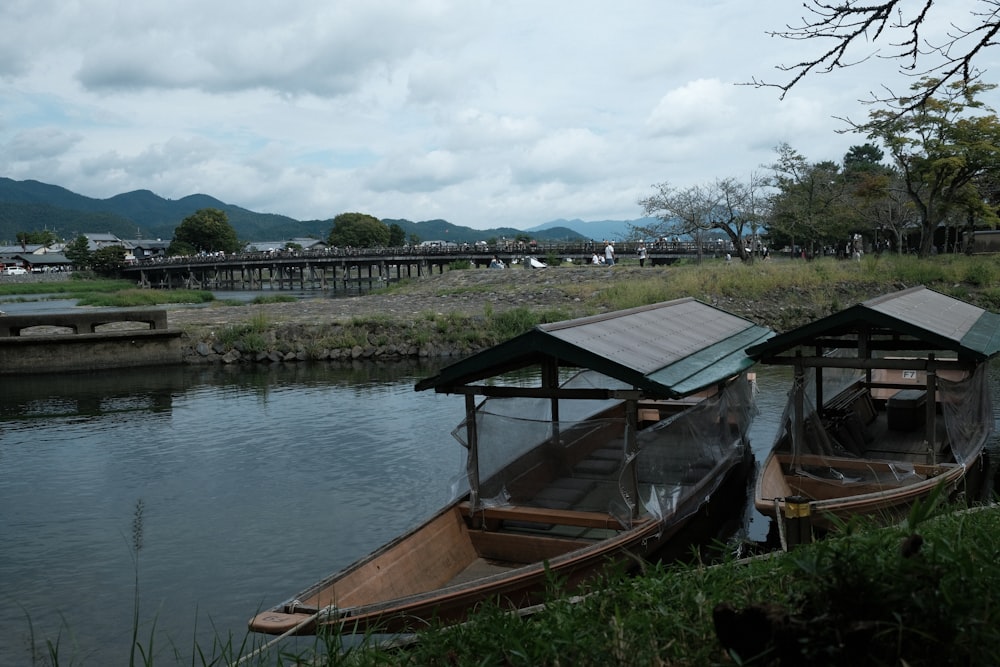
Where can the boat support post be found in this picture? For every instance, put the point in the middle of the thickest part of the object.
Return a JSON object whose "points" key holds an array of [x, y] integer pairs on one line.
{"points": [[631, 472], [472, 437], [931, 406]]}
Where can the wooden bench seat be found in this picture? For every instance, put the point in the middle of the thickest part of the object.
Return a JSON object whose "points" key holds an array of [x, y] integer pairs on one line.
{"points": [[543, 515]]}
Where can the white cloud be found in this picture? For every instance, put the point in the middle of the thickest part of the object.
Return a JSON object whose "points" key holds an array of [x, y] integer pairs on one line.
{"points": [[693, 107], [477, 111]]}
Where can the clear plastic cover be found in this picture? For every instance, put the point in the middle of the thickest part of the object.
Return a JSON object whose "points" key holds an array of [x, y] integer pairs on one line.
{"points": [[585, 462], [888, 426]]}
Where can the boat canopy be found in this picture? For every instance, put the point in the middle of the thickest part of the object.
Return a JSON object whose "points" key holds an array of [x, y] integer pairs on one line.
{"points": [[913, 319], [670, 349], [918, 354]]}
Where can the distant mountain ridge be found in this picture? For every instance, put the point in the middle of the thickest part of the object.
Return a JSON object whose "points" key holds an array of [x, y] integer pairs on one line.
{"points": [[31, 205], [597, 230]]}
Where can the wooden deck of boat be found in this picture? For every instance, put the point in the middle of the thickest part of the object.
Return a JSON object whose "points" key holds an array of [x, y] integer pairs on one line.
{"points": [[479, 569], [910, 446]]}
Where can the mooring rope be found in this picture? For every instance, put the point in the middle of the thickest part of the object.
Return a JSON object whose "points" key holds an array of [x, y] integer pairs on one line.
{"points": [[781, 524]]}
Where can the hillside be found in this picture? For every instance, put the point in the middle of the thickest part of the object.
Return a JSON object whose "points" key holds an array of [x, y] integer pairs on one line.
{"points": [[32, 206]]}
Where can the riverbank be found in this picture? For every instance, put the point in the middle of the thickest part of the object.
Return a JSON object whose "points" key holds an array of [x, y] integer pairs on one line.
{"points": [[462, 311]]}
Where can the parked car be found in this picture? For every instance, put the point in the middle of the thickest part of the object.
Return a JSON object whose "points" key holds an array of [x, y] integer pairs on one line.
{"points": [[14, 271]]}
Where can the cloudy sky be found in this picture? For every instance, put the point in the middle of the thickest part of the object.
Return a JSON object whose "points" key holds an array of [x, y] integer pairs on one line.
{"points": [[481, 112]]}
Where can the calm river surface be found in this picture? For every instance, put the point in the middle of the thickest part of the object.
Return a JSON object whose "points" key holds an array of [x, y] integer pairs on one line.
{"points": [[253, 483]]}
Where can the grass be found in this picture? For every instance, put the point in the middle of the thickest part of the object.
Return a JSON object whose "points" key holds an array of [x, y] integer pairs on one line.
{"points": [[866, 596], [249, 337], [77, 286], [132, 298]]}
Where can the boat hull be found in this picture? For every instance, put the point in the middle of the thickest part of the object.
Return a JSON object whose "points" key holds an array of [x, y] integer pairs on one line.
{"points": [[399, 587], [832, 502]]}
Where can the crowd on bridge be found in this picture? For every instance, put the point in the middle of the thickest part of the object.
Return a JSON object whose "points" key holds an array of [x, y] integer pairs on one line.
{"points": [[506, 247]]}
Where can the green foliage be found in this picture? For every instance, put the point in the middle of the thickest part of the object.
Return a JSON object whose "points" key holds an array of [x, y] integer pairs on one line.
{"points": [[514, 322], [43, 237], [810, 206], [942, 147], [108, 261], [206, 230], [249, 336], [981, 274], [358, 230], [136, 298], [78, 252], [397, 236]]}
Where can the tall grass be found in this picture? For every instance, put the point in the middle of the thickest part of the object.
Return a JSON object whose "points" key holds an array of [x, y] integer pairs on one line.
{"points": [[65, 287], [132, 298], [251, 336]]}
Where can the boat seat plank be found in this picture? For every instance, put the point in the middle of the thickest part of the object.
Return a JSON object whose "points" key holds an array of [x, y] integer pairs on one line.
{"points": [[480, 569], [520, 549], [545, 515]]}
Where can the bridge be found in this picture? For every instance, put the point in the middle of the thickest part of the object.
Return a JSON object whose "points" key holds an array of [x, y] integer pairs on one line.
{"points": [[348, 269]]}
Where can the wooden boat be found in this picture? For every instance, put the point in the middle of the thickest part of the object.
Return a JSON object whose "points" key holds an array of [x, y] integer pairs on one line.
{"points": [[565, 476], [904, 406]]}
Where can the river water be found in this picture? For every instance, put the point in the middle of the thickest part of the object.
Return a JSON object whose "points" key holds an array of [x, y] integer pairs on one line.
{"points": [[250, 484]]}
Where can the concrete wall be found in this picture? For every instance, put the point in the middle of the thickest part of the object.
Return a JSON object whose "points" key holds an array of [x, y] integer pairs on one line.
{"points": [[89, 352]]}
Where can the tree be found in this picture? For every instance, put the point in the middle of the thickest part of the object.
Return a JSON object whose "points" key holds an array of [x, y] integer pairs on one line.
{"points": [[899, 23], [397, 236], [108, 261], [206, 230], [358, 230], [809, 204], [864, 159], [726, 205], [940, 151], [78, 252], [42, 238]]}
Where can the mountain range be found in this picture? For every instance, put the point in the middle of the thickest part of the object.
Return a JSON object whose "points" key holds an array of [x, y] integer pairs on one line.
{"points": [[30, 205]]}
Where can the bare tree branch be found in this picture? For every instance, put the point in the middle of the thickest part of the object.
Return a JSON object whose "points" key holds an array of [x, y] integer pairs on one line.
{"points": [[848, 23]]}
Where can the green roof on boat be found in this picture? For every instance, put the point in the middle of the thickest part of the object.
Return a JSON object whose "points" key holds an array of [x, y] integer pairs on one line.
{"points": [[670, 349], [921, 314]]}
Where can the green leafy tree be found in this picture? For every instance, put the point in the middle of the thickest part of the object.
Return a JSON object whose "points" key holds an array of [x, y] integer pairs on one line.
{"points": [[78, 252], [108, 261], [205, 230], [808, 207], [397, 236], [358, 230], [940, 150], [42, 238]]}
